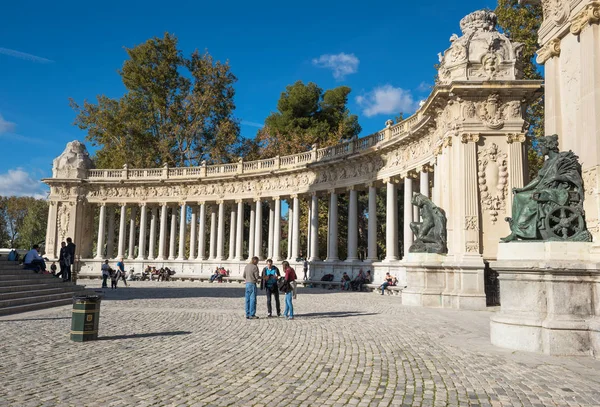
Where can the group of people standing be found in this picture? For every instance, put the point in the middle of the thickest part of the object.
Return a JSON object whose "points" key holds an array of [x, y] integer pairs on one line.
{"points": [[33, 260], [114, 274], [270, 280]]}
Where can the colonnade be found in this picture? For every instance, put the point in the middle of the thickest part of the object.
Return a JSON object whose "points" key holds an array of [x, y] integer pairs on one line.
{"points": [[150, 237]]}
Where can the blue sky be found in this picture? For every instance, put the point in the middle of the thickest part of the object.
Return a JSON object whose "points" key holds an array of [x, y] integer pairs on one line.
{"points": [[50, 51]]}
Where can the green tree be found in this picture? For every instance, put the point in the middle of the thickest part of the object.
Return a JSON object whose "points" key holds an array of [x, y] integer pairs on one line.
{"points": [[33, 228], [521, 23], [176, 110], [305, 116]]}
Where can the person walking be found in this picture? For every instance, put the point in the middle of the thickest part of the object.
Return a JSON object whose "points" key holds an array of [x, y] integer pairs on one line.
{"points": [[305, 269], [71, 258], [62, 261], [269, 277], [105, 273], [290, 279], [252, 277], [121, 271]]}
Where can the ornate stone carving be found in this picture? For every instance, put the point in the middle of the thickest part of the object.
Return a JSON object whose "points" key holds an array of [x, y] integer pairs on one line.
{"points": [[469, 138], [491, 112], [471, 223], [73, 162], [590, 178], [556, 11], [431, 234], [515, 138], [64, 217], [492, 174], [589, 15], [550, 207], [480, 53], [550, 50], [472, 247]]}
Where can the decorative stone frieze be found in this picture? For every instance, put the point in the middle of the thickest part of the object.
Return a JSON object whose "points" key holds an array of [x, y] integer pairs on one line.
{"points": [[492, 175]]}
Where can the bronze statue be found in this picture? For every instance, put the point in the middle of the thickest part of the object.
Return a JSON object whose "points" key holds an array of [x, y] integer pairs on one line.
{"points": [[550, 207], [431, 234]]}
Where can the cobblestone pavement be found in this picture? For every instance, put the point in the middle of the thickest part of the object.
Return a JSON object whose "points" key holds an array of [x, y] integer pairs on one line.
{"points": [[188, 344]]}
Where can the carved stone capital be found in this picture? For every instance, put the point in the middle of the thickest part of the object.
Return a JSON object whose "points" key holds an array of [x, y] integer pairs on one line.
{"points": [[469, 138], [550, 50], [164, 204], [589, 15], [239, 201], [515, 138], [331, 191], [294, 196], [182, 203], [142, 204]]}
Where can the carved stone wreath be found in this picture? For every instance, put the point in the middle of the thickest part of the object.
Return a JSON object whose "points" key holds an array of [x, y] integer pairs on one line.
{"points": [[492, 175]]}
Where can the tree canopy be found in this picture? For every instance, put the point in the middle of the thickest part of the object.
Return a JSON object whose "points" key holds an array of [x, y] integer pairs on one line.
{"points": [[176, 110], [521, 23], [23, 221], [307, 115]]}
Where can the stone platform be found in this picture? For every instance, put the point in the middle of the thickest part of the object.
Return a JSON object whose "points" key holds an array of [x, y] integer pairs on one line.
{"points": [[550, 296], [188, 344]]}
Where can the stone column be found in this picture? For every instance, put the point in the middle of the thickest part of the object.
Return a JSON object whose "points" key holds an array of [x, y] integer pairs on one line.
{"points": [[332, 228], [391, 241], [271, 231], [408, 213], [290, 229], [221, 232], [101, 223], [239, 239], [142, 240], [435, 192], [296, 228], [424, 184], [353, 226], [163, 231], [258, 238], [122, 230], [193, 232], [182, 216], [308, 229], [277, 231], [202, 233], [251, 231], [132, 233], [173, 236], [213, 233], [232, 231], [152, 240], [110, 239], [51, 239], [372, 227], [314, 228], [470, 203]]}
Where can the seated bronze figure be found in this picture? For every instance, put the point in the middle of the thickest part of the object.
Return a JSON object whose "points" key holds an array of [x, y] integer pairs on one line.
{"points": [[550, 207], [431, 234]]}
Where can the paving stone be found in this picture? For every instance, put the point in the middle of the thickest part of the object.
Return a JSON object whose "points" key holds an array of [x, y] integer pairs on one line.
{"points": [[188, 344]]}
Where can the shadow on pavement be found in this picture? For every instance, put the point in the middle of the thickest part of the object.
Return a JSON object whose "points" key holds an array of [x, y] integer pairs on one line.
{"points": [[339, 314], [146, 335], [33, 319]]}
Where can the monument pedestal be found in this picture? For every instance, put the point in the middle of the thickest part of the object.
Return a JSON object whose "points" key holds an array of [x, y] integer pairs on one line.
{"points": [[550, 298], [436, 281]]}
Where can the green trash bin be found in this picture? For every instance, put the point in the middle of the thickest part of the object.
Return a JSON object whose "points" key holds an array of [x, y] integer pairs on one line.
{"points": [[84, 321]]}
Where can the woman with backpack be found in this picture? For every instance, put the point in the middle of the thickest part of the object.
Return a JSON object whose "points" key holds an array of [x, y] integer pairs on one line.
{"points": [[290, 281]]}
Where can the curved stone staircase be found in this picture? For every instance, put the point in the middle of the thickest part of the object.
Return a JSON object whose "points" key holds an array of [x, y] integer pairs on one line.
{"points": [[24, 290]]}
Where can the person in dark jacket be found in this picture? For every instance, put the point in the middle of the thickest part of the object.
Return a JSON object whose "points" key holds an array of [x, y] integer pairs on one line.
{"points": [[63, 261], [268, 281], [71, 258]]}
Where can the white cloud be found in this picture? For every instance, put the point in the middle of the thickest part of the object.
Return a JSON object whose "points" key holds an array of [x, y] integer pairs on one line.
{"points": [[24, 55], [6, 126], [425, 87], [252, 124], [341, 64], [18, 182], [386, 99]]}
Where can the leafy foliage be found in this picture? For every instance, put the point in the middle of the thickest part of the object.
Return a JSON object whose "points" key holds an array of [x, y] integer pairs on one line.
{"points": [[305, 116], [521, 23], [176, 111], [23, 221]]}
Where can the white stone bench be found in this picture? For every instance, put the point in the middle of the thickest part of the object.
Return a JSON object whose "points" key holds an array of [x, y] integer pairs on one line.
{"points": [[393, 290]]}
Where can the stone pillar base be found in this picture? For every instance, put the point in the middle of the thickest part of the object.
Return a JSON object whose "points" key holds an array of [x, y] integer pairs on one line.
{"points": [[549, 298], [434, 281]]}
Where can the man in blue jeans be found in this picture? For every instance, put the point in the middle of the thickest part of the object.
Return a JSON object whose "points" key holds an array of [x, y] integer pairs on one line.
{"points": [[252, 277]]}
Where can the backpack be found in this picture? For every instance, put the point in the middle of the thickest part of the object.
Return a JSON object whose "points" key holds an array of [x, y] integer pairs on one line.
{"points": [[327, 277], [283, 285], [12, 256]]}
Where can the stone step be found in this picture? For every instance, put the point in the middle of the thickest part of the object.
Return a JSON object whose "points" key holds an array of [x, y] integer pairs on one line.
{"points": [[35, 299], [28, 281], [40, 292], [35, 306], [26, 276], [30, 285]]}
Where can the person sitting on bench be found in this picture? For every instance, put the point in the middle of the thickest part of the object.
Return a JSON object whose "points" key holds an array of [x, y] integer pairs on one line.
{"points": [[33, 260]]}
